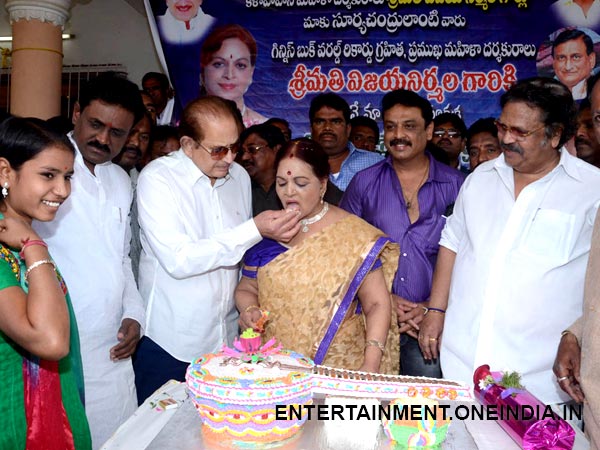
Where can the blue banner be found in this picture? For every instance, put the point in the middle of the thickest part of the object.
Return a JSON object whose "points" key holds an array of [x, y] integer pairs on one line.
{"points": [[460, 54]]}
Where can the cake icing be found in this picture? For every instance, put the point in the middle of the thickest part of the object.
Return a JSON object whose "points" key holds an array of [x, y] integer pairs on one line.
{"points": [[352, 383], [236, 399], [424, 433]]}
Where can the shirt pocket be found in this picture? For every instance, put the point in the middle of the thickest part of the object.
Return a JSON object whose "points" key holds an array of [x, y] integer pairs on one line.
{"points": [[116, 228], [550, 236]]}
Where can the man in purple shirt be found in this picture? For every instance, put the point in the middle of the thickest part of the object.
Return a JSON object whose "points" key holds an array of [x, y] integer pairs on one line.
{"points": [[408, 196]]}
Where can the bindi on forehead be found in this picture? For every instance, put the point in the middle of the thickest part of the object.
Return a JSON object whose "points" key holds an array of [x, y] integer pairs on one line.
{"points": [[289, 172]]}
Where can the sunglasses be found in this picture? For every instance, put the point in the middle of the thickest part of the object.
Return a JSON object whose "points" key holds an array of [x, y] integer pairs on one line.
{"points": [[517, 133], [451, 133], [252, 149], [220, 151]]}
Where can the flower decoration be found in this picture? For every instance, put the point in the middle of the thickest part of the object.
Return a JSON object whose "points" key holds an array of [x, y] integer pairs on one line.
{"points": [[510, 381], [250, 353]]}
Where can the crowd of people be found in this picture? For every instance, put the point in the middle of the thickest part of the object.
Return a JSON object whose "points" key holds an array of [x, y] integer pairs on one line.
{"points": [[130, 246]]}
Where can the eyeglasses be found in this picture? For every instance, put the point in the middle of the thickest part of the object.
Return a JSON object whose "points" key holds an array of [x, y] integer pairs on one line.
{"points": [[440, 132], [517, 133], [252, 149], [221, 151]]}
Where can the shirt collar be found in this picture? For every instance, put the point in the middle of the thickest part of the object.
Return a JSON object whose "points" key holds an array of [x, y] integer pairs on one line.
{"points": [[351, 148], [435, 174], [567, 162], [79, 157]]}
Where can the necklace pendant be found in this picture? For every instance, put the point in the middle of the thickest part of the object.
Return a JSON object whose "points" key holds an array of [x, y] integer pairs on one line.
{"points": [[305, 228], [408, 205]]}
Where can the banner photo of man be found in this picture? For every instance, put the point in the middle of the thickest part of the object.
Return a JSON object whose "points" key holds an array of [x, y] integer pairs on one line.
{"points": [[273, 56]]}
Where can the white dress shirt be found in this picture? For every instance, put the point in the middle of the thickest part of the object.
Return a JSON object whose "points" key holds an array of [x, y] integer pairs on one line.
{"points": [[89, 240], [193, 237], [571, 14], [174, 31], [166, 116], [519, 270]]}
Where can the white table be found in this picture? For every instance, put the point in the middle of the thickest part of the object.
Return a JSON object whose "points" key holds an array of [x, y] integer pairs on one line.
{"points": [[152, 428]]}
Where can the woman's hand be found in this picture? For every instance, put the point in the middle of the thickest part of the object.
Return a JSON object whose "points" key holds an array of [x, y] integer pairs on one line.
{"points": [[249, 317], [368, 368], [246, 301], [14, 231], [430, 334]]}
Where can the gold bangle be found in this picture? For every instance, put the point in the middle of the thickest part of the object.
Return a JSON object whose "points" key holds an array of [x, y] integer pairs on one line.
{"points": [[37, 264], [376, 343], [252, 307]]}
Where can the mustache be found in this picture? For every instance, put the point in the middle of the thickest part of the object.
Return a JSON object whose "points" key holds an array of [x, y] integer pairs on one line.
{"points": [[138, 151], [584, 141], [400, 141], [514, 147], [99, 146], [326, 133]]}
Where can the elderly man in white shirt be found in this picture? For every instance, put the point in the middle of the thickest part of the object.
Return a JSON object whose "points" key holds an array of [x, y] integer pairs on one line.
{"points": [[90, 241], [195, 209], [513, 254]]}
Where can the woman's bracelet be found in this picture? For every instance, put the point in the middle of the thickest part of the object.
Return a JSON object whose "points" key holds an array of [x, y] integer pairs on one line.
{"points": [[28, 243], [252, 308], [427, 309], [376, 343], [37, 264]]}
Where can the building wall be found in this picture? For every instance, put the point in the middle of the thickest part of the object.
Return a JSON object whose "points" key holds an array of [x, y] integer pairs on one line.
{"points": [[106, 32]]}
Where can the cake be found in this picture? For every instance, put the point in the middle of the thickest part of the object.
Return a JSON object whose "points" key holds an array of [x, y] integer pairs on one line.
{"points": [[352, 383], [408, 432], [236, 394]]}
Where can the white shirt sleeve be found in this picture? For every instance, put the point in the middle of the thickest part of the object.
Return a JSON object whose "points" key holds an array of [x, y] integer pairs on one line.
{"points": [[180, 254], [133, 305]]}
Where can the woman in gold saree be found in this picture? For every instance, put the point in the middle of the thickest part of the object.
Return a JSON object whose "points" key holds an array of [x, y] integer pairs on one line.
{"points": [[328, 289]]}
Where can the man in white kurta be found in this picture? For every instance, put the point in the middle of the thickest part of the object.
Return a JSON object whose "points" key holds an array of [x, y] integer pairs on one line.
{"points": [[520, 236], [195, 214], [89, 239], [519, 270]]}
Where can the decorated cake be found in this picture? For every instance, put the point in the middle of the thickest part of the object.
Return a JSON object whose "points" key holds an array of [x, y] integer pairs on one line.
{"points": [[245, 395], [408, 433], [236, 392]]}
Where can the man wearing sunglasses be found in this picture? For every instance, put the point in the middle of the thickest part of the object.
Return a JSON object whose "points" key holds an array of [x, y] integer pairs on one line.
{"points": [[449, 133], [195, 213], [510, 270]]}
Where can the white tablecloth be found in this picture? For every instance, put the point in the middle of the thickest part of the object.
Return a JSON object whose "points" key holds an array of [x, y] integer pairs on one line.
{"points": [[154, 428]]}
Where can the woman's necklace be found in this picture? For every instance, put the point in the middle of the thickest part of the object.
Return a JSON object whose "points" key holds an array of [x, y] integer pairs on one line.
{"points": [[306, 222], [409, 200]]}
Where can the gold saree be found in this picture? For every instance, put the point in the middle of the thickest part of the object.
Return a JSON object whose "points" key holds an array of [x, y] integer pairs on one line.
{"points": [[304, 286]]}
